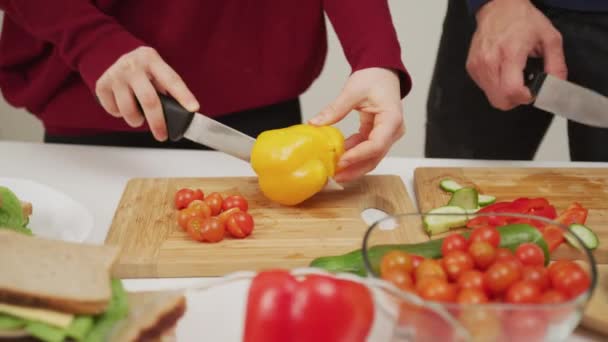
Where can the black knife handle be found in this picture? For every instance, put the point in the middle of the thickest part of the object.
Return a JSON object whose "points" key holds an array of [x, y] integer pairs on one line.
{"points": [[534, 75], [177, 117]]}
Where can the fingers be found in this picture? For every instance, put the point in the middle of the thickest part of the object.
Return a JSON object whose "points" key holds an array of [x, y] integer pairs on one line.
{"points": [[150, 103], [126, 104], [553, 53], [513, 90], [337, 110], [137, 77], [388, 128], [106, 98], [357, 170], [168, 79]]}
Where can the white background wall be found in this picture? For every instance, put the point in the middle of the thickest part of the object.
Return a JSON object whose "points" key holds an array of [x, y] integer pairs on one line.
{"points": [[418, 25]]}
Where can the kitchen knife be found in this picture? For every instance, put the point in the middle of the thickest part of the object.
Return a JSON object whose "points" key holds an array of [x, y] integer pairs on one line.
{"points": [[206, 131], [564, 98]]}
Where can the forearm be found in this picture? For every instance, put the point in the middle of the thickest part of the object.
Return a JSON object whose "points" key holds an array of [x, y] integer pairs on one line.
{"points": [[368, 37], [84, 37]]}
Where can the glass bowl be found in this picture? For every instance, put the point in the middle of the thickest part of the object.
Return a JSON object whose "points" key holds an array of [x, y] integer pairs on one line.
{"points": [[216, 310], [492, 321]]}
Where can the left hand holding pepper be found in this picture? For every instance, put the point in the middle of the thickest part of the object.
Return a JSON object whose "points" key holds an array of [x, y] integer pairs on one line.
{"points": [[375, 94]]}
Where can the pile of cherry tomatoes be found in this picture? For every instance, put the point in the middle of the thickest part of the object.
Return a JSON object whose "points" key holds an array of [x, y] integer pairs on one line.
{"points": [[476, 271], [208, 218]]}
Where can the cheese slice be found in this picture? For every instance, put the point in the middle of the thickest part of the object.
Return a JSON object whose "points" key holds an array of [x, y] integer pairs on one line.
{"points": [[50, 317]]}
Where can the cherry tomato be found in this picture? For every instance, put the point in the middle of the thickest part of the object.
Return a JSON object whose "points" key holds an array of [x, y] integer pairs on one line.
{"points": [[530, 254], [225, 215], [416, 260], [554, 266], [471, 279], [214, 200], [552, 297], [193, 228], [212, 230], [522, 292], [454, 242], [457, 262], [483, 324], [185, 215], [487, 234], [571, 280], [500, 276], [200, 208], [437, 289], [235, 201], [430, 268], [526, 325], [537, 275], [396, 260], [240, 224], [471, 296], [503, 253], [400, 278], [483, 254], [183, 197]]}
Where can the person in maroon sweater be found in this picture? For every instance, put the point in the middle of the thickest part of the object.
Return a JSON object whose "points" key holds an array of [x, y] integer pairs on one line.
{"points": [[80, 65]]}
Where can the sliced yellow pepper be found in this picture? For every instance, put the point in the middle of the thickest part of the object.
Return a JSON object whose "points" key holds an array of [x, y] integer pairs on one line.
{"points": [[294, 163]]}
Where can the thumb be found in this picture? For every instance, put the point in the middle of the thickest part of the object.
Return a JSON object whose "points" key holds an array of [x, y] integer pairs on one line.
{"points": [[555, 62], [336, 111]]}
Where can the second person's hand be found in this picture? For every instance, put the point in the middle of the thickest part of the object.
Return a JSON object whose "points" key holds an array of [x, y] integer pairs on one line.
{"points": [[508, 32], [375, 94], [141, 74]]}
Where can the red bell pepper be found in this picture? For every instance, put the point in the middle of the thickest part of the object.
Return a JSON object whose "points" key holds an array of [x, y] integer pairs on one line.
{"points": [[528, 206], [554, 236], [318, 308]]}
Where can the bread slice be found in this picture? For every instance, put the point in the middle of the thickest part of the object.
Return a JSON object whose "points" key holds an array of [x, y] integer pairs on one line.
{"points": [[151, 315], [57, 275]]}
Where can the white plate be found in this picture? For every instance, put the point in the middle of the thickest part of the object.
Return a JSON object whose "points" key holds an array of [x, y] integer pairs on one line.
{"points": [[55, 215]]}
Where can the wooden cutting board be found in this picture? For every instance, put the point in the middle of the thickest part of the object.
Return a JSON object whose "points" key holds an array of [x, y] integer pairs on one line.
{"points": [[560, 186], [330, 223]]}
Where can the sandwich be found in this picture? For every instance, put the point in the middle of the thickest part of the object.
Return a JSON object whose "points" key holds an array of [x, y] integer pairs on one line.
{"points": [[55, 291], [14, 213]]}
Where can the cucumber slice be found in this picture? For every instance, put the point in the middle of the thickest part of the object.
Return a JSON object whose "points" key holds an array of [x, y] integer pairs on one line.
{"points": [[466, 198], [586, 235], [486, 200], [450, 185], [442, 219], [472, 211]]}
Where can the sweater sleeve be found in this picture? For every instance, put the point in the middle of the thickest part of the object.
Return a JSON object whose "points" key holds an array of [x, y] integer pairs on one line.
{"points": [[368, 37], [86, 39], [475, 5]]}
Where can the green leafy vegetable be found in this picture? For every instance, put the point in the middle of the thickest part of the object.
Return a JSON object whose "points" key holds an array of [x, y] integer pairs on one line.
{"points": [[11, 213]]}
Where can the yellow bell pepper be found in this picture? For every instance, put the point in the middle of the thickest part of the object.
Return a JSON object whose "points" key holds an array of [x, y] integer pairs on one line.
{"points": [[294, 163]]}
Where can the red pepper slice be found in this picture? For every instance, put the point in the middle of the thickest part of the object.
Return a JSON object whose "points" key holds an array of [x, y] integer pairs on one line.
{"points": [[318, 308], [554, 236], [574, 214]]}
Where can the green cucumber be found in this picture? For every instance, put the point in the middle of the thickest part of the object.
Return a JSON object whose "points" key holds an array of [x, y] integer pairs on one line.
{"points": [[442, 219], [466, 198], [485, 200], [511, 236], [584, 233], [450, 185]]}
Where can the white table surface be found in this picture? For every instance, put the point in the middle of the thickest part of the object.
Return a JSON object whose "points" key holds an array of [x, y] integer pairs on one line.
{"points": [[96, 176]]}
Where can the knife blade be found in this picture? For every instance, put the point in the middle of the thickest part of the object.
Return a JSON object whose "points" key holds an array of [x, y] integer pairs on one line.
{"points": [[209, 132], [564, 98]]}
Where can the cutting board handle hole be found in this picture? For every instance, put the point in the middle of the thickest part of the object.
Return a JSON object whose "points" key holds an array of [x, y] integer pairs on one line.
{"points": [[371, 215]]}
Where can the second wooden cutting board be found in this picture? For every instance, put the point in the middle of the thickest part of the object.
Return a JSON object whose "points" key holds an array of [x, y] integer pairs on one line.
{"points": [[328, 224]]}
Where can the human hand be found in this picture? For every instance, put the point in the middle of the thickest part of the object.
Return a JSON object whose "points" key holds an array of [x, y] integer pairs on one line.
{"points": [[140, 74], [508, 32], [375, 94]]}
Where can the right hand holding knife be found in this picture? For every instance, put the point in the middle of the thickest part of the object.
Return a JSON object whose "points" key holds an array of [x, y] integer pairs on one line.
{"points": [[134, 82]]}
